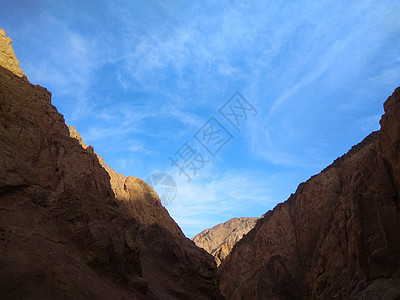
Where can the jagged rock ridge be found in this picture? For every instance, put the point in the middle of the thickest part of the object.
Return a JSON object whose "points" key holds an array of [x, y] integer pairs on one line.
{"points": [[70, 227], [337, 237], [139, 197], [220, 239], [7, 56]]}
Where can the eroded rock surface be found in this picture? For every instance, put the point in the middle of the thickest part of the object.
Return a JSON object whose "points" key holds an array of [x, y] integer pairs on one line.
{"points": [[7, 56], [337, 237], [141, 200], [70, 228], [220, 239]]}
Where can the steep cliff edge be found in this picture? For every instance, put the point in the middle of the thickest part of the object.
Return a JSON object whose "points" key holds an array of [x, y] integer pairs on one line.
{"points": [[337, 237], [141, 200], [8, 59], [65, 232], [220, 239]]}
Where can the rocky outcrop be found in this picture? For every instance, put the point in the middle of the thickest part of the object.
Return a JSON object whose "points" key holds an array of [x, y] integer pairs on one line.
{"points": [[220, 239], [66, 232], [7, 56], [141, 200], [337, 237]]}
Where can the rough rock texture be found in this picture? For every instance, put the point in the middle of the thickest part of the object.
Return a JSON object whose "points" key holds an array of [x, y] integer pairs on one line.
{"points": [[142, 201], [219, 240], [337, 237], [7, 56], [64, 233]]}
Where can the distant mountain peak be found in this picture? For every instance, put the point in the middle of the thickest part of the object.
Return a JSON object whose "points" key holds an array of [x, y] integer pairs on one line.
{"points": [[220, 239]]}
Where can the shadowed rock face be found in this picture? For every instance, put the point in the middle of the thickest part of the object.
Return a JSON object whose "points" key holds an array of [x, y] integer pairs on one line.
{"points": [[72, 228], [219, 240], [141, 200], [337, 237]]}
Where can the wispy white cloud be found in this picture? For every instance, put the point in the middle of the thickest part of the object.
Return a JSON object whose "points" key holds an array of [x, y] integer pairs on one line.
{"points": [[68, 66], [342, 48], [387, 76], [143, 76], [136, 147], [368, 124], [210, 199], [189, 120]]}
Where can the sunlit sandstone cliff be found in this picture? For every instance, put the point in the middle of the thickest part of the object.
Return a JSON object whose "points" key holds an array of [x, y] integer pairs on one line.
{"points": [[220, 239], [8, 59]]}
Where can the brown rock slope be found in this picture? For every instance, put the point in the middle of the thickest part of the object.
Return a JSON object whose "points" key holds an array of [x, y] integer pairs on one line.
{"points": [[141, 200], [66, 232], [337, 237], [219, 240]]}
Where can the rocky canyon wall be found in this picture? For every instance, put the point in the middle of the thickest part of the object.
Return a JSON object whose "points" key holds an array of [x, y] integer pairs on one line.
{"points": [[337, 237], [72, 228]]}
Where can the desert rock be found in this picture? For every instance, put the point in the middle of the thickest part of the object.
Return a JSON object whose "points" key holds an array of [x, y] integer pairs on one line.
{"points": [[7, 56], [337, 237], [70, 227], [220, 239]]}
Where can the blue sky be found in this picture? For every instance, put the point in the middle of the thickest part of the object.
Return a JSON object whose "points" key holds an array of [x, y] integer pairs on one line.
{"points": [[138, 79]]}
